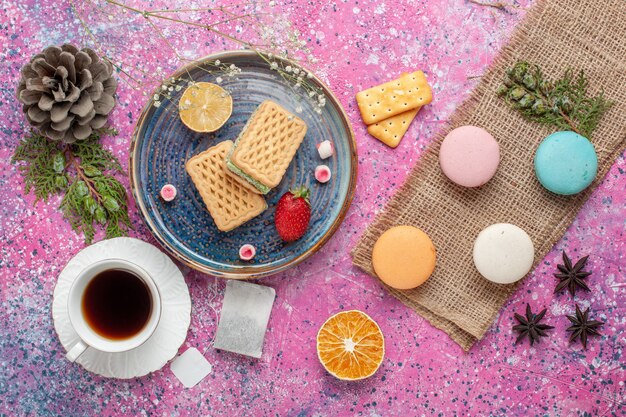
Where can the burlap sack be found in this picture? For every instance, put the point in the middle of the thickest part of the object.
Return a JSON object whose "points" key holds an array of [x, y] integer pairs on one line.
{"points": [[556, 34]]}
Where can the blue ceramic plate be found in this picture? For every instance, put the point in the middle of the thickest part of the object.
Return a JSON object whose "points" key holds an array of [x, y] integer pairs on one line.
{"points": [[162, 144]]}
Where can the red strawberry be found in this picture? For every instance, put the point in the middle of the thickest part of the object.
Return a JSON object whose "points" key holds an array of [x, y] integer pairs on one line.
{"points": [[293, 213]]}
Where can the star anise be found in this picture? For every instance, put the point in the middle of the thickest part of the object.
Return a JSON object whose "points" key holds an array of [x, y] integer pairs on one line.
{"points": [[582, 326], [572, 276], [530, 326]]}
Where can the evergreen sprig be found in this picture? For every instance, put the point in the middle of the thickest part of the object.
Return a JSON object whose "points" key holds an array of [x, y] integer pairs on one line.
{"points": [[562, 103], [83, 173]]}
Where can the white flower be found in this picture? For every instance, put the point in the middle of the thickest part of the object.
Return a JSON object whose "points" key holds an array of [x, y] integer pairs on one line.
{"points": [[274, 66], [217, 62], [318, 110], [299, 109], [296, 86], [163, 87], [233, 67], [157, 104], [272, 3], [170, 89], [322, 102], [296, 71], [270, 55], [219, 80], [288, 68], [321, 97], [311, 93], [179, 87], [155, 97], [309, 75]]}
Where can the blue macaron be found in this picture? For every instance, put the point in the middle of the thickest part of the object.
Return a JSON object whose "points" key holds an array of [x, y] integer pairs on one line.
{"points": [[566, 163]]}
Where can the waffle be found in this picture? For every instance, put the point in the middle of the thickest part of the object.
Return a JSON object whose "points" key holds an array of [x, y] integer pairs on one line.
{"points": [[265, 147], [230, 204]]}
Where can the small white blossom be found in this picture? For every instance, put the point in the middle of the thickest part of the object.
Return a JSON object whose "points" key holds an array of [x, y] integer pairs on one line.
{"points": [[155, 97], [179, 87], [219, 80], [270, 55], [288, 68], [321, 97], [170, 89], [157, 104], [163, 87], [272, 3], [296, 71], [274, 66], [318, 110], [299, 109], [309, 75], [296, 86], [311, 93], [233, 67], [217, 62]]}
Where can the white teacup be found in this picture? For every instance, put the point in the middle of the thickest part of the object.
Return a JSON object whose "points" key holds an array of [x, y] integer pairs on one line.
{"points": [[88, 336]]}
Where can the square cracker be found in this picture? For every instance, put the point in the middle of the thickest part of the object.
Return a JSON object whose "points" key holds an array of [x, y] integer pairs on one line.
{"points": [[230, 204], [405, 93], [390, 131], [268, 143]]}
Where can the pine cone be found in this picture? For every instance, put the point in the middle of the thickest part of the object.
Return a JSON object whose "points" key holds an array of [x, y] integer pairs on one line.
{"points": [[67, 93]]}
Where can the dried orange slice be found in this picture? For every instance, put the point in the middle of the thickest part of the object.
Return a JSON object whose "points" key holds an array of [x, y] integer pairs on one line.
{"points": [[205, 107], [350, 345]]}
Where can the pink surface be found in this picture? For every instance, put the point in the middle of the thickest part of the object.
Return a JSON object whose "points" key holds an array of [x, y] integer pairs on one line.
{"points": [[357, 44], [469, 156]]}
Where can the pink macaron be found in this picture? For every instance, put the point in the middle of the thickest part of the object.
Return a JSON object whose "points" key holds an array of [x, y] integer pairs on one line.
{"points": [[469, 156]]}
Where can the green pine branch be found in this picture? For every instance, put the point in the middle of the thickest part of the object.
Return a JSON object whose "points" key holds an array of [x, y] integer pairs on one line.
{"points": [[83, 173], [563, 103]]}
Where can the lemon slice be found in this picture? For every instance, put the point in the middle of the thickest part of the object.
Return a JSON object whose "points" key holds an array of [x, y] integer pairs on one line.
{"points": [[205, 107]]}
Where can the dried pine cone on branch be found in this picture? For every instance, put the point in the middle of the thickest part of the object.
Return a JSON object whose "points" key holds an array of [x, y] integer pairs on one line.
{"points": [[67, 93]]}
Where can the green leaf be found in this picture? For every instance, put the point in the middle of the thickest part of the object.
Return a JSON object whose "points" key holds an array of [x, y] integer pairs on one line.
{"points": [[91, 171], [562, 103], [90, 204], [34, 156], [60, 181], [100, 215], [81, 188], [43, 164], [58, 162], [109, 203], [91, 152]]}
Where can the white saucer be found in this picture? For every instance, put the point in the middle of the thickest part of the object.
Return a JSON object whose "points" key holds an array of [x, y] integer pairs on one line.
{"points": [[175, 304]]}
